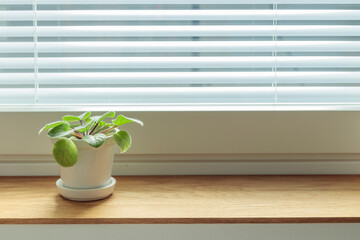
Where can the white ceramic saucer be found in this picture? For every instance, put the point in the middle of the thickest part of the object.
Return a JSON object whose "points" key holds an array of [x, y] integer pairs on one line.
{"points": [[88, 194]]}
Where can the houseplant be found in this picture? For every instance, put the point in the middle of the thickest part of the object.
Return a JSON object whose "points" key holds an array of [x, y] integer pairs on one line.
{"points": [[84, 149]]}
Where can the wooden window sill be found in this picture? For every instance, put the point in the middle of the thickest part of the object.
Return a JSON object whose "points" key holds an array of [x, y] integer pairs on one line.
{"points": [[188, 199]]}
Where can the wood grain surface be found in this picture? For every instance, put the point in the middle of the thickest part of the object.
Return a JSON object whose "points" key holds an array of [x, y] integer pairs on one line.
{"points": [[188, 199]]}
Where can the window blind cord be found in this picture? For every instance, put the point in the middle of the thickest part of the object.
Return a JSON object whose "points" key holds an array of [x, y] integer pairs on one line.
{"points": [[35, 39], [274, 53]]}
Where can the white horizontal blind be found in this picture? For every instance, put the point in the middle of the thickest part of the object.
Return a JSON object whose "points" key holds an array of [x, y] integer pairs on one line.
{"points": [[147, 52]]}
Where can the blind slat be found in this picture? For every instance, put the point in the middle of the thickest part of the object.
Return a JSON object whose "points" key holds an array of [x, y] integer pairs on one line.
{"points": [[86, 2], [156, 95], [17, 78], [319, 94], [168, 78], [16, 95], [181, 46], [201, 95], [153, 78], [180, 15], [182, 31], [182, 62]]}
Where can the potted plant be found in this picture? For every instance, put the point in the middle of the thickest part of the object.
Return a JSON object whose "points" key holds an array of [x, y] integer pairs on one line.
{"points": [[84, 149]]}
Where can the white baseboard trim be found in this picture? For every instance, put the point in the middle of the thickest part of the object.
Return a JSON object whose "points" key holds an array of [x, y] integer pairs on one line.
{"points": [[196, 164]]}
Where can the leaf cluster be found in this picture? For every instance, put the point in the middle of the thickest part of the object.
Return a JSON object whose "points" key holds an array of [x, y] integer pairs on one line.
{"points": [[93, 130]]}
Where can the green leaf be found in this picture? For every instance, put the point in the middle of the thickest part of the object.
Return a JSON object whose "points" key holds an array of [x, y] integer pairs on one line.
{"points": [[98, 119], [107, 126], [88, 120], [72, 118], [121, 120], [83, 128], [85, 115], [123, 139], [90, 124], [95, 140], [102, 123], [51, 125], [80, 128], [105, 115], [65, 152], [60, 131]]}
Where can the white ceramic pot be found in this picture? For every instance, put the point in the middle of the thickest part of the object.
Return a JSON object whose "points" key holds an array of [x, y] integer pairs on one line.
{"points": [[90, 178], [93, 168]]}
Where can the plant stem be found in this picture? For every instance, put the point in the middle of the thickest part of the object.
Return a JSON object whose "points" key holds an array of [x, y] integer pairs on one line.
{"points": [[90, 126], [100, 129], [108, 130], [94, 128], [78, 135]]}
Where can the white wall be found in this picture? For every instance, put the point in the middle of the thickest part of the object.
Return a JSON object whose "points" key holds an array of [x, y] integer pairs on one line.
{"points": [[203, 143], [206, 132]]}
